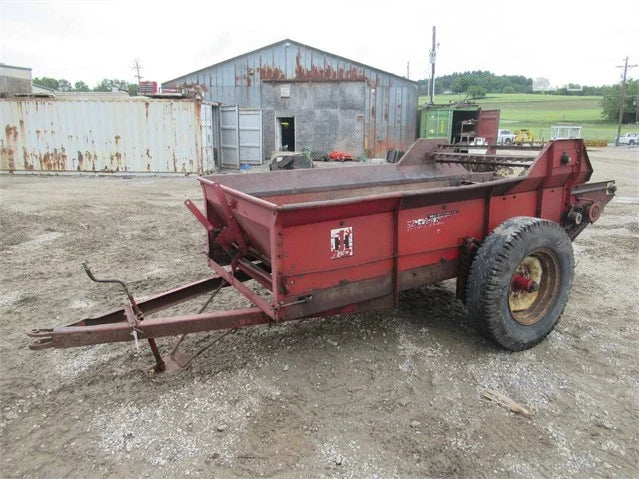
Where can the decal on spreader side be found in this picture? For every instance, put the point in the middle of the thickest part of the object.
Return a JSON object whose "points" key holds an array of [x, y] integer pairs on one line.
{"points": [[341, 242], [430, 220]]}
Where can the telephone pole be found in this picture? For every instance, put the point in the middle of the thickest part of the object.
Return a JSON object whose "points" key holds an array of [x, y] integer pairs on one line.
{"points": [[433, 55], [137, 67], [622, 99], [408, 70]]}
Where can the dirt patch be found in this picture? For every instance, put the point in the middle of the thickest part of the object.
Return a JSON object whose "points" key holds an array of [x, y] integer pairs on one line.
{"points": [[394, 394]]}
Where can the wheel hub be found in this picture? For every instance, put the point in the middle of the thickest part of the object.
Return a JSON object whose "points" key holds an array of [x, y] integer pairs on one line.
{"points": [[524, 288], [533, 287]]}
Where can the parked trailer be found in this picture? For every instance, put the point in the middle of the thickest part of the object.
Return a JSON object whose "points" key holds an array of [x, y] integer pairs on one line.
{"points": [[322, 242]]}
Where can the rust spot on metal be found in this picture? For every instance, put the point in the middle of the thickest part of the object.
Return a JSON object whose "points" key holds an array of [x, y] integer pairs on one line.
{"points": [[328, 73], [146, 108], [8, 152], [117, 159], [80, 161], [55, 160], [175, 168], [271, 73], [117, 139], [22, 130], [25, 156], [6, 160], [11, 133]]}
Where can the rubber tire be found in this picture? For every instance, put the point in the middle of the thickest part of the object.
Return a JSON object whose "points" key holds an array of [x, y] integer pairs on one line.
{"points": [[285, 162], [491, 272], [508, 141]]}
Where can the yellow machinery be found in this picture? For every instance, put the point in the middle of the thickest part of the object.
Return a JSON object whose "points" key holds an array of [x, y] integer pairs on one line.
{"points": [[524, 136]]}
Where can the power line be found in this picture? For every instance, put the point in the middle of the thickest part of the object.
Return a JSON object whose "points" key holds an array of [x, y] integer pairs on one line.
{"points": [[432, 57], [625, 67], [137, 67]]}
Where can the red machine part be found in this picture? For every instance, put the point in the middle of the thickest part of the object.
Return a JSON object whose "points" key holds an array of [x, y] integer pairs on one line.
{"points": [[340, 156], [340, 240], [593, 211], [525, 284]]}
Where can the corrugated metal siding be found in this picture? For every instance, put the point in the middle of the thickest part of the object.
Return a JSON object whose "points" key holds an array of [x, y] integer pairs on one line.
{"points": [[391, 120], [115, 135]]}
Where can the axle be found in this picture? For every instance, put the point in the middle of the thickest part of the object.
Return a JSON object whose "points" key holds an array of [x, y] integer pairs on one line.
{"points": [[522, 283]]}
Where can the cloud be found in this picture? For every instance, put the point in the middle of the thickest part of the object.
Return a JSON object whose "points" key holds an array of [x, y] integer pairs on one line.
{"points": [[92, 40]]}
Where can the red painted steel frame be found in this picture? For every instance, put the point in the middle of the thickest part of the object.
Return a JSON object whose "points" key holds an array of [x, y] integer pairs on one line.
{"points": [[324, 248], [399, 239]]}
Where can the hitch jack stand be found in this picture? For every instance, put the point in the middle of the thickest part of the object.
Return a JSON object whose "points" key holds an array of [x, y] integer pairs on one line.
{"points": [[133, 314]]}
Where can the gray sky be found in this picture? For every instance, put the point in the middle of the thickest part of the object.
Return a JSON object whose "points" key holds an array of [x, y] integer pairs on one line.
{"points": [[579, 42]]}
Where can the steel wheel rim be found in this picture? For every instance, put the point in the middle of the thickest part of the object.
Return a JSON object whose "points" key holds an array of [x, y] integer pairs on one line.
{"points": [[528, 308]]}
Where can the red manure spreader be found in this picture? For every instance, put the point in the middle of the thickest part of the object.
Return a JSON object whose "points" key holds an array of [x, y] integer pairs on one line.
{"points": [[330, 241]]}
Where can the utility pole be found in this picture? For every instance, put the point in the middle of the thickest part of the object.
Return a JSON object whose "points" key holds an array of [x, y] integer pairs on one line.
{"points": [[137, 67], [622, 99], [408, 70], [433, 55]]}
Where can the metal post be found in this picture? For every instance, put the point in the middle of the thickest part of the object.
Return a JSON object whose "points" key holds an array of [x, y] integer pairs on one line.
{"points": [[433, 55], [137, 67], [622, 98]]}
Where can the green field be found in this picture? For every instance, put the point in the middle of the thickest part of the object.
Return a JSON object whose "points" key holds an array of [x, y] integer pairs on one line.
{"points": [[539, 112]]}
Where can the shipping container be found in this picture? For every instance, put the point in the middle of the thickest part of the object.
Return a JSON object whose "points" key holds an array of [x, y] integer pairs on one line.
{"points": [[110, 135], [452, 122]]}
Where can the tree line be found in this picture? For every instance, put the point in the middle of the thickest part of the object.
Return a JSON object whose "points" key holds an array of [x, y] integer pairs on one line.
{"points": [[488, 82], [612, 99], [479, 81], [105, 85]]}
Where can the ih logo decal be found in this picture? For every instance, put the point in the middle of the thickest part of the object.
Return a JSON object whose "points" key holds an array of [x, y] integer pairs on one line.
{"points": [[341, 242]]}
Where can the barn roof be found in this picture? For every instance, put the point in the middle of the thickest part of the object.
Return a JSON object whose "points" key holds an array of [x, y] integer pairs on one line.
{"points": [[288, 40]]}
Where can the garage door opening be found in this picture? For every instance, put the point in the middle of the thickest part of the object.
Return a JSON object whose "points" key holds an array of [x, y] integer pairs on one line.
{"points": [[286, 131]]}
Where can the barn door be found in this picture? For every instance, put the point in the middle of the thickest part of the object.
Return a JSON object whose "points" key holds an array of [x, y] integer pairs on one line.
{"points": [[229, 137]]}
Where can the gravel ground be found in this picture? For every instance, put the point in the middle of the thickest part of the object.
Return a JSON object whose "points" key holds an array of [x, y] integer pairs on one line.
{"points": [[377, 395]]}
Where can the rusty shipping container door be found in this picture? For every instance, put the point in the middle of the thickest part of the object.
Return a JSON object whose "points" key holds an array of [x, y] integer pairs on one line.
{"points": [[487, 125], [241, 136]]}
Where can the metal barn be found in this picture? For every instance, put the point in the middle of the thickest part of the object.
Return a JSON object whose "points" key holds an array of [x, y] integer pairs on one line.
{"points": [[289, 96]]}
